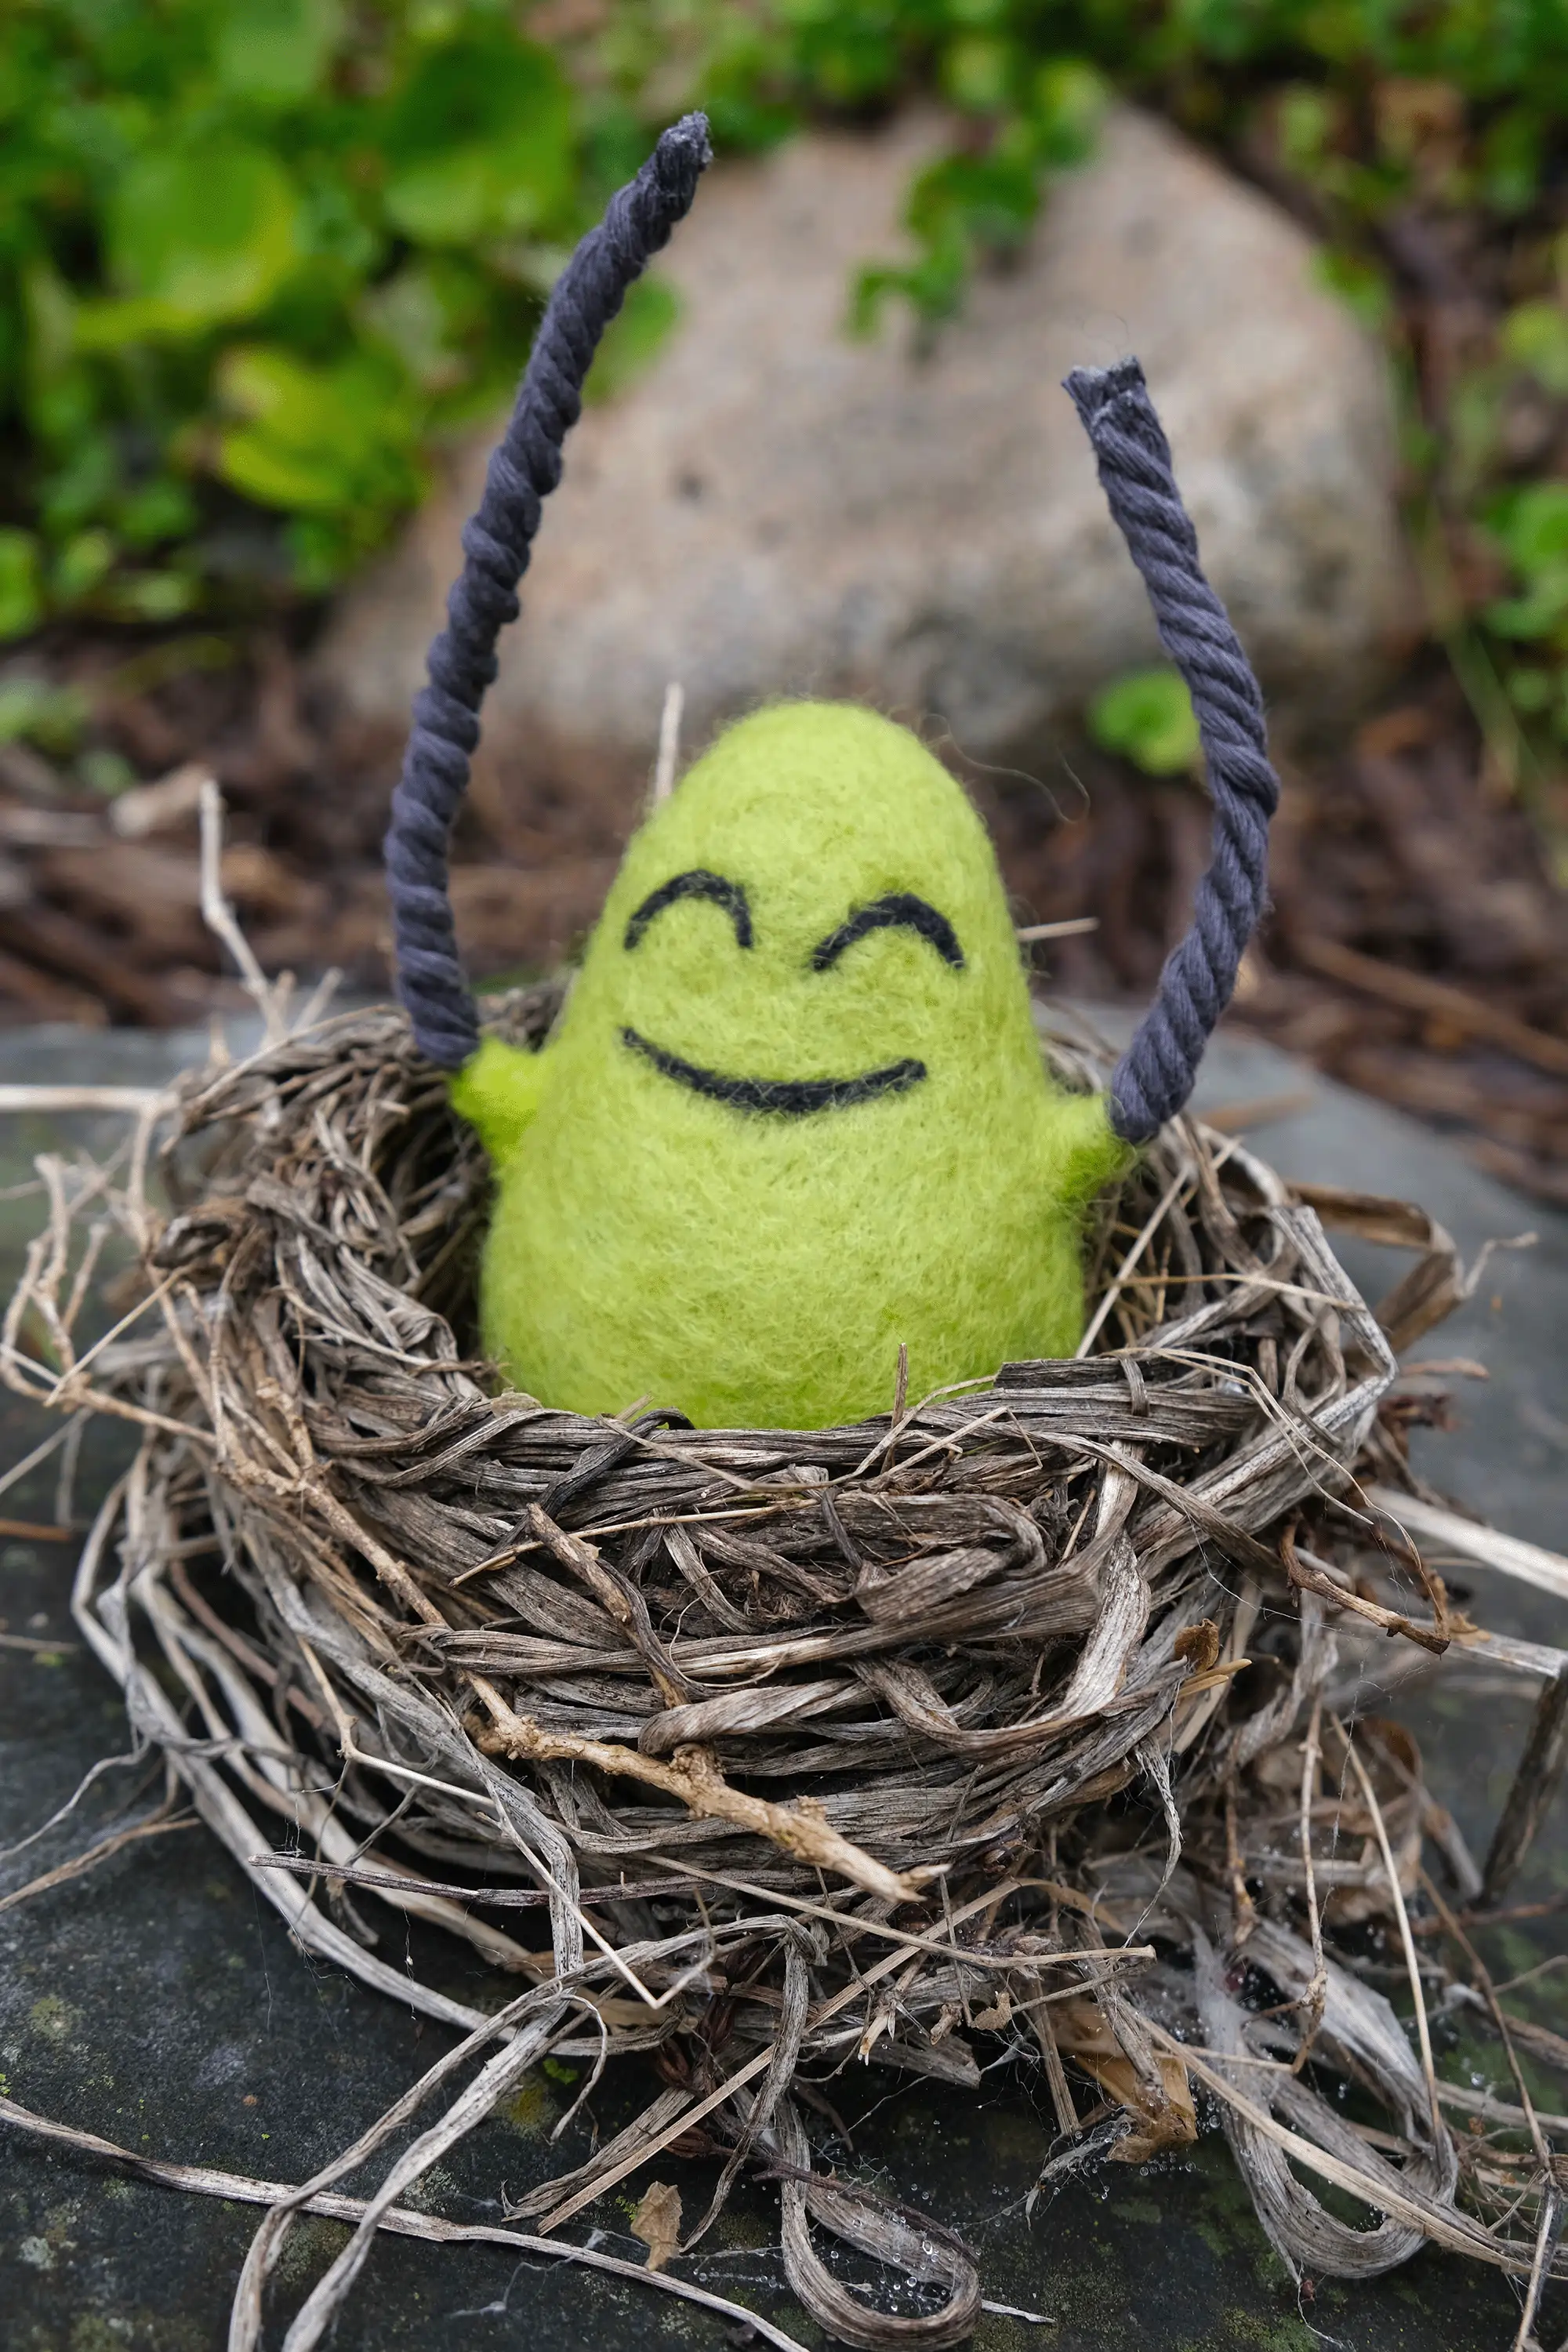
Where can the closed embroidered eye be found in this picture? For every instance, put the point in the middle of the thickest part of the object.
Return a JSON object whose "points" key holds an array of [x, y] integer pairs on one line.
{"points": [[698, 884], [900, 911]]}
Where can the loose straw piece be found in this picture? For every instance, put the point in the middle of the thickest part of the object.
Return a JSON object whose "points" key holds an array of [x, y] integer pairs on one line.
{"points": [[219, 916], [1072, 928], [57, 1101], [669, 742], [694, 1778], [1503, 2023], [1546, 2237], [820, 2016], [1315, 1999], [95, 1854], [1115, 1289], [1528, 1563], [1444, 2229], [1309, 1575], [1397, 1895], [397, 2220]]}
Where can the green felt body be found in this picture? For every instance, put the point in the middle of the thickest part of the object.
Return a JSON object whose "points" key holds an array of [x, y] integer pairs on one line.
{"points": [[754, 1268]]}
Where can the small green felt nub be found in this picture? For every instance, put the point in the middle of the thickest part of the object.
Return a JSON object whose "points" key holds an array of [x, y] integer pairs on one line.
{"points": [[741, 1175], [496, 1091]]}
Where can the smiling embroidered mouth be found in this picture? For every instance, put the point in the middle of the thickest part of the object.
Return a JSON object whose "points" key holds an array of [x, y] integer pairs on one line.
{"points": [[794, 1098]]}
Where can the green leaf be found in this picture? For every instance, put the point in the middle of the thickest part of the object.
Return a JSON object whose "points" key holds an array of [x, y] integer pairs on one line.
{"points": [[1147, 717], [273, 52], [106, 771], [34, 712], [75, 492], [422, 313], [149, 597], [1067, 107], [1538, 614], [992, 198], [957, 205], [82, 563], [154, 511], [632, 338], [479, 143], [1531, 689], [976, 73], [1358, 284], [196, 238], [1535, 337], [336, 443], [1512, 161], [1531, 525], [21, 601]]}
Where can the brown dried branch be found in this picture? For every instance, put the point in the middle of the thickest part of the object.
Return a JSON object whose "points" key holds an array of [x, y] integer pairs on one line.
{"points": [[1308, 1577], [800, 1829]]}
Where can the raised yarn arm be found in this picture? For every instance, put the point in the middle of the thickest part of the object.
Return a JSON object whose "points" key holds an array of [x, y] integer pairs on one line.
{"points": [[1156, 1076], [497, 542]]}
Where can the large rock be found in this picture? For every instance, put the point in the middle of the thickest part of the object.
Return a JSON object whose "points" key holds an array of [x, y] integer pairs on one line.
{"points": [[776, 508]]}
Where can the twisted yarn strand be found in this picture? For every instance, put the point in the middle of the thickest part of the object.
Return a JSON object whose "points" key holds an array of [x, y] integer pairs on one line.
{"points": [[1156, 1076], [497, 542]]}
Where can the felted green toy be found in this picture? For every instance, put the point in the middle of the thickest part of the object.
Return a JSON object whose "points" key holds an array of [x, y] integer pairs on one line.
{"points": [[794, 1112], [794, 1115]]}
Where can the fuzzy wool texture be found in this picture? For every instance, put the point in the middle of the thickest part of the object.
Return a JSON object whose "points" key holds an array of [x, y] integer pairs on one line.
{"points": [[657, 1235]]}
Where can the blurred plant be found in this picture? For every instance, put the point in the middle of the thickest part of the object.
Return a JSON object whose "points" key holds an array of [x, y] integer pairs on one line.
{"points": [[1522, 396], [254, 254], [50, 717], [257, 255], [1147, 717]]}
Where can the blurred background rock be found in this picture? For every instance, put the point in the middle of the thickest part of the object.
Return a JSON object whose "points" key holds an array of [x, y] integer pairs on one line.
{"points": [[267, 273]]}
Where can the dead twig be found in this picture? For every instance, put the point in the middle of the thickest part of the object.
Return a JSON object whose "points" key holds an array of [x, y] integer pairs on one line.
{"points": [[1308, 1577]]}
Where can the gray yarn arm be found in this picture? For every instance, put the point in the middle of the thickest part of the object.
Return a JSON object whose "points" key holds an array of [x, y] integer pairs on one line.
{"points": [[497, 543], [1156, 1076]]}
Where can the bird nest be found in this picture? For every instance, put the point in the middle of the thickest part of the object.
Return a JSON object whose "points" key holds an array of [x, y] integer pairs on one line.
{"points": [[1009, 1719]]}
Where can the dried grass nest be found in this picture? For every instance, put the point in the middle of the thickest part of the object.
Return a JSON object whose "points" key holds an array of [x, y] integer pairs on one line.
{"points": [[1010, 1717]]}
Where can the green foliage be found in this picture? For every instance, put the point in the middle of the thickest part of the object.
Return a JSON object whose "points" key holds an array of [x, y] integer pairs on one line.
{"points": [[480, 142], [1530, 525], [1525, 522], [630, 340], [1535, 339], [21, 594], [254, 255], [51, 716], [332, 446], [968, 204], [257, 256], [1147, 717]]}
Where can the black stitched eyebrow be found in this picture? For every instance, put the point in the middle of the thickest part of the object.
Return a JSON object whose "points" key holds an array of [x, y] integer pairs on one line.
{"points": [[900, 911], [698, 884]]}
